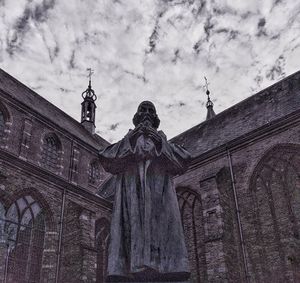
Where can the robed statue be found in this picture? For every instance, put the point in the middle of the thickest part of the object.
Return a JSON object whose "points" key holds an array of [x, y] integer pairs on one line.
{"points": [[146, 238]]}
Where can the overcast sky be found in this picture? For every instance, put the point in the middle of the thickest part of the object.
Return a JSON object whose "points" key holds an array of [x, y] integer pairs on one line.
{"points": [[149, 50]]}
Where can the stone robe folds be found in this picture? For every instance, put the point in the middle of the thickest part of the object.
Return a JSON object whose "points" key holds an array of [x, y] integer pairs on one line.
{"points": [[146, 229]]}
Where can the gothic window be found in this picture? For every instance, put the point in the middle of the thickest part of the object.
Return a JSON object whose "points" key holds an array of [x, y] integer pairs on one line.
{"points": [[24, 230], [2, 124], [94, 172], [191, 217], [274, 246], [51, 152], [2, 222], [101, 243]]}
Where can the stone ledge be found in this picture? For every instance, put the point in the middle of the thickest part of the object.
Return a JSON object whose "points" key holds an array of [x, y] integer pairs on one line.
{"points": [[156, 282]]}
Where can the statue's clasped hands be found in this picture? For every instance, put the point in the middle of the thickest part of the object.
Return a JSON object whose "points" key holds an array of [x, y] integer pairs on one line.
{"points": [[146, 131], [153, 134]]}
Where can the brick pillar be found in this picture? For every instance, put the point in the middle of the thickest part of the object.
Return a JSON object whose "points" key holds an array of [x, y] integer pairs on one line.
{"points": [[26, 136], [49, 257], [74, 164], [3, 256], [71, 254], [89, 253], [214, 231]]}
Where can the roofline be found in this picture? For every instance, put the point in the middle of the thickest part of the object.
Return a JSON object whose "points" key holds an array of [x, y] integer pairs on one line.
{"points": [[50, 104], [234, 106]]}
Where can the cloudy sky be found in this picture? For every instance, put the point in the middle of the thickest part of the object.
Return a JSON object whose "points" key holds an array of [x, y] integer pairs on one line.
{"points": [[149, 50]]}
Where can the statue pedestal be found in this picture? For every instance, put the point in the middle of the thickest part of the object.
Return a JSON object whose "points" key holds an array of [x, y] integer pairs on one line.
{"points": [[157, 282], [151, 276]]}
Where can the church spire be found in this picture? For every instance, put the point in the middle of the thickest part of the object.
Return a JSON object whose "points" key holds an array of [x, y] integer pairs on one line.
{"points": [[209, 104], [88, 106]]}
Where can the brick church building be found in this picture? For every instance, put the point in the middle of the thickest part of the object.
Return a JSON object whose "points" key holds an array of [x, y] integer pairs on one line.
{"points": [[239, 199]]}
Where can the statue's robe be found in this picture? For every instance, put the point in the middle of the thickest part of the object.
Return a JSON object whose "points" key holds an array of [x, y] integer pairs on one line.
{"points": [[146, 229]]}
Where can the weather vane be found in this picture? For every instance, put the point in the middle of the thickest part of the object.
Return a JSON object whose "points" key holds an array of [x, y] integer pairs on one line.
{"points": [[91, 72], [209, 102], [89, 92], [206, 86]]}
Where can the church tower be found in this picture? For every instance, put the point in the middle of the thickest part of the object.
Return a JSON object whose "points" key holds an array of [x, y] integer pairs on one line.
{"points": [[88, 107]]}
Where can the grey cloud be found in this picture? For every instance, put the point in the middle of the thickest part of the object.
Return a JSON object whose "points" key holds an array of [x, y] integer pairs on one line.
{"points": [[139, 77], [65, 90], [231, 34], [200, 9], [208, 26], [178, 104], [176, 56], [72, 60], [154, 37], [40, 11], [157, 51], [113, 127], [277, 70], [21, 27], [261, 29], [53, 52], [36, 13]]}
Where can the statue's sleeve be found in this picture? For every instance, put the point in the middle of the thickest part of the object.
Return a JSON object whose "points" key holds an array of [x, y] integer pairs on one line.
{"points": [[175, 158], [116, 157]]}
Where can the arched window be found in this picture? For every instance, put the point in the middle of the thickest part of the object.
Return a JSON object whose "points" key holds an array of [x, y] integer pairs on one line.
{"points": [[2, 124], [101, 243], [51, 152], [274, 239], [25, 231], [94, 172], [191, 217], [2, 223]]}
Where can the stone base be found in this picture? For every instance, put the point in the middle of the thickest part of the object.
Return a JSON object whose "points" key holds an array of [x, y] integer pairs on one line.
{"points": [[152, 276], [159, 282]]}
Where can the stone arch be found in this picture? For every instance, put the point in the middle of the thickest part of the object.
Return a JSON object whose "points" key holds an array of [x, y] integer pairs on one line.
{"points": [[273, 242], [193, 225], [34, 193], [27, 220], [102, 227], [6, 112]]}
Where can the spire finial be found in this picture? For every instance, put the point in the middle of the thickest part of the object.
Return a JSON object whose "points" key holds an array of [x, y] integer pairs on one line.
{"points": [[89, 92], [209, 104], [91, 72]]}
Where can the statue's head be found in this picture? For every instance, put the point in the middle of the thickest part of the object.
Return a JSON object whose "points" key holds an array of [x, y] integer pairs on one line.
{"points": [[146, 114]]}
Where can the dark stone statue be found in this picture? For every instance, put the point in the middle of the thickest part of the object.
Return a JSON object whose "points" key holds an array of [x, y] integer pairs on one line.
{"points": [[146, 240]]}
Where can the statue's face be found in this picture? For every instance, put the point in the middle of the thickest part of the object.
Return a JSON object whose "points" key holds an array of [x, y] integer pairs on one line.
{"points": [[147, 114]]}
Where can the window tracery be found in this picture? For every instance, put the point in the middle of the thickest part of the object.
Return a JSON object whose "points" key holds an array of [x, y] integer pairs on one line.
{"points": [[275, 190], [191, 218], [23, 229], [2, 123], [50, 152], [94, 172], [101, 243]]}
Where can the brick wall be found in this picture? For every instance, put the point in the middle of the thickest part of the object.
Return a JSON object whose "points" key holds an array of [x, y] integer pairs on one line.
{"points": [[21, 147], [269, 216]]}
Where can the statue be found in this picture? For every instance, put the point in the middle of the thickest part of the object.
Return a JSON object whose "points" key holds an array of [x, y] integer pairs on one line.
{"points": [[147, 242]]}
